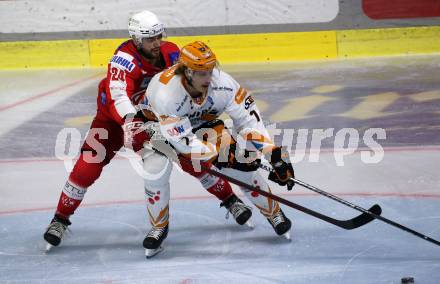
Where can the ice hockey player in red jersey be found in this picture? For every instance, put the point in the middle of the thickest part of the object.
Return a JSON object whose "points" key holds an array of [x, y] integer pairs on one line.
{"points": [[117, 121]]}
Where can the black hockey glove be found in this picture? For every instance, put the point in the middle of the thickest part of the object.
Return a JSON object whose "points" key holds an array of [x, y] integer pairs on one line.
{"points": [[227, 159], [282, 168]]}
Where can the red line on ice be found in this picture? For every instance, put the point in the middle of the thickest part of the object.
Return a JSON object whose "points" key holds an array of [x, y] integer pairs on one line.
{"points": [[122, 202], [433, 148], [51, 92]]}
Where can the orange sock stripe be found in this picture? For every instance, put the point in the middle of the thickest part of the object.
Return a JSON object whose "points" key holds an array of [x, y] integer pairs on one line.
{"points": [[163, 215]]}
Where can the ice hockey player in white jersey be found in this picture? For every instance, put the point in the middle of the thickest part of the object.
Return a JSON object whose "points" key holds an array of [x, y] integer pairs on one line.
{"points": [[188, 98]]}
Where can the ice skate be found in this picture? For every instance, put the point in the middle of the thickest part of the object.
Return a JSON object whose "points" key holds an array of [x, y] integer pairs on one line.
{"points": [[281, 224], [153, 241], [55, 231], [241, 212]]}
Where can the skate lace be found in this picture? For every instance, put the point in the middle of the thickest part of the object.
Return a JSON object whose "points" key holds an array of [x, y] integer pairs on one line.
{"points": [[57, 229], [277, 219], [236, 209], [156, 233]]}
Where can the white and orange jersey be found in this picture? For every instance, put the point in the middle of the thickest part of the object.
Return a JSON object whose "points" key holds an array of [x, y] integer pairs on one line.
{"points": [[179, 114]]}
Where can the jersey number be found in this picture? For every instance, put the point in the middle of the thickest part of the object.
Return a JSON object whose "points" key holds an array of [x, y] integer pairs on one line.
{"points": [[254, 113], [117, 74]]}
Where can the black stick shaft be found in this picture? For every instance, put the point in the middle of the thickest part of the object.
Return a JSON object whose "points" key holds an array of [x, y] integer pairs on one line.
{"points": [[269, 195], [358, 208], [411, 231]]}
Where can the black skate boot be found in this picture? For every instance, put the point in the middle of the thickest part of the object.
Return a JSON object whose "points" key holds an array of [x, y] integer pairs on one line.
{"points": [[153, 241], [281, 224], [241, 212], [55, 231]]}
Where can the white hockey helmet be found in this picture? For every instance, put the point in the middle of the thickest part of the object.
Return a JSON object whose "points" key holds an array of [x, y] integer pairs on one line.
{"points": [[144, 24]]}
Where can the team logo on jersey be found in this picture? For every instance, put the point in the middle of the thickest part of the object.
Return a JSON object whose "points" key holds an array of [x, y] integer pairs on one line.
{"points": [[103, 98], [176, 131], [248, 102], [174, 56], [222, 88], [124, 63], [149, 192]]}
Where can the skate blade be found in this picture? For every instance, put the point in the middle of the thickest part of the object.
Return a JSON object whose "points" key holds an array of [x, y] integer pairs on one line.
{"points": [[286, 235], [249, 224], [48, 247], [149, 253]]}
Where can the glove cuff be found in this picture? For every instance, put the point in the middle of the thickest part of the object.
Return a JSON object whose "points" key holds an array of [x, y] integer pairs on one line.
{"points": [[274, 156]]}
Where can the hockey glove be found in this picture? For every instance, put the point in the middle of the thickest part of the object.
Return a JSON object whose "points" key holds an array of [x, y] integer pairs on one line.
{"points": [[282, 168], [135, 133], [227, 159]]}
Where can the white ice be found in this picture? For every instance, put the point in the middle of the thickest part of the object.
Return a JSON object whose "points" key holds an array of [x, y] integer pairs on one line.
{"points": [[105, 245]]}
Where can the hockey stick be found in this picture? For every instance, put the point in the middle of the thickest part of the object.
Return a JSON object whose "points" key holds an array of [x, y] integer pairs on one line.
{"points": [[368, 214], [349, 224]]}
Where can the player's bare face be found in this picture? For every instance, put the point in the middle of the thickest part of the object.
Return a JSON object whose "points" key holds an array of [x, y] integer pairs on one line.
{"points": [[151, 46], [201, 80]]}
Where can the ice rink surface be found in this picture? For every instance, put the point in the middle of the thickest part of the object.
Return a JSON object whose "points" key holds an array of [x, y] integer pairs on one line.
{"points": [[400, 95]]}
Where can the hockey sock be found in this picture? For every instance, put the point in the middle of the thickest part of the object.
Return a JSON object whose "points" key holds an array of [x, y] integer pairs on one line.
{"points": [[70, 199], [217, 186]]}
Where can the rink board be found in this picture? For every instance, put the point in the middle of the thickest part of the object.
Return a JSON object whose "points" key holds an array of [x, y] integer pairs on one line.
{"points": [[238, 48]]}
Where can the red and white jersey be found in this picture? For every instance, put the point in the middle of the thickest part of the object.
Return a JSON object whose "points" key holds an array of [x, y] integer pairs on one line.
{"points": [[179, 114], [128, 76]]}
